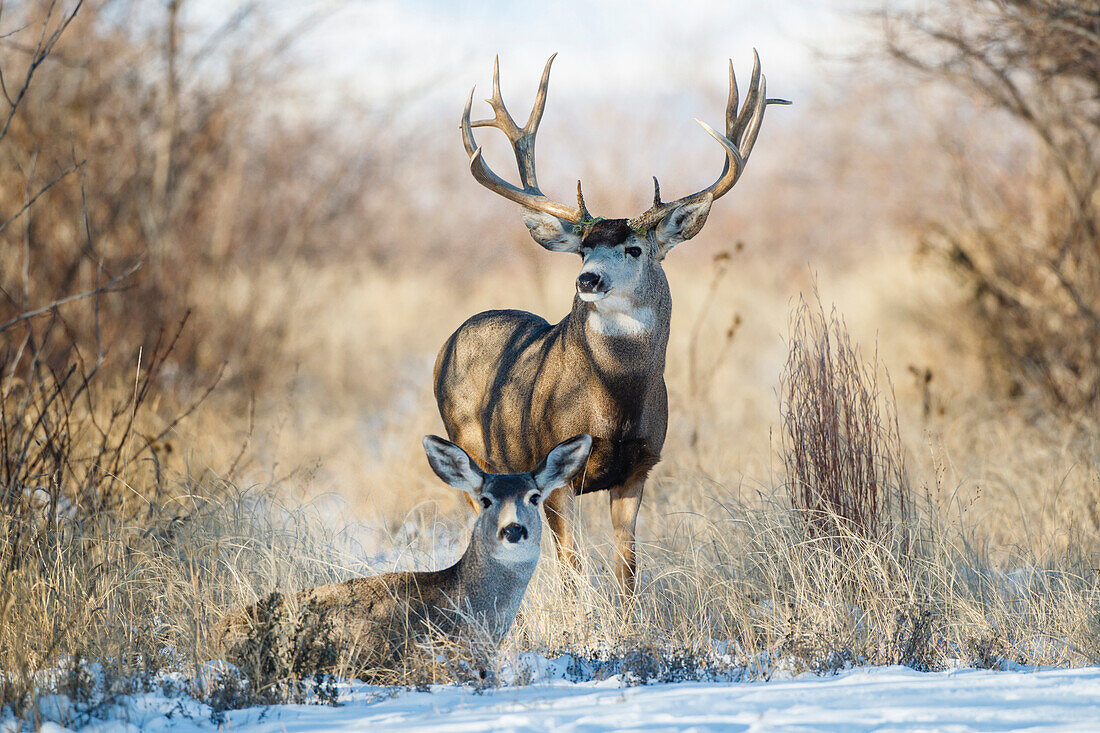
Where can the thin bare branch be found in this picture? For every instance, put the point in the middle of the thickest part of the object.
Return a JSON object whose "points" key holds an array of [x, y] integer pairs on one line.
{"points": [[30, 202], [42, 51], [107, 287]]}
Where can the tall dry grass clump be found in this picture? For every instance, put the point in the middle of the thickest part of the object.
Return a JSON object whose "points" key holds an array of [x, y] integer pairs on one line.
{"points": [[841, 446], [84, 485]]}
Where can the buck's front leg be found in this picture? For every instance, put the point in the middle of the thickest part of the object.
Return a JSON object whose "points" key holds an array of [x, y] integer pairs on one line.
{"points": [[625, 502], [559, 515]]}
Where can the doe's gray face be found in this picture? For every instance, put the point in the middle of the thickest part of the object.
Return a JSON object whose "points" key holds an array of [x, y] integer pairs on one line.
{"points": [[509, 523]]}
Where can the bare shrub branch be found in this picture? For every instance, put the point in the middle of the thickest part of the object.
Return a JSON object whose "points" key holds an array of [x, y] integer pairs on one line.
{"points": [[47, 39], [1033, 262], [42, 310]]}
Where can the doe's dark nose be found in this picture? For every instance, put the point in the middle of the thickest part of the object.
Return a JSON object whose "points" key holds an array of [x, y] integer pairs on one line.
{"points": [[588, 282], [513, 533]]}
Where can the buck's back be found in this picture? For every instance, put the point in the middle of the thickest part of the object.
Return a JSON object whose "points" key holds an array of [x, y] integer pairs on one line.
{"points": [[494, 378]]}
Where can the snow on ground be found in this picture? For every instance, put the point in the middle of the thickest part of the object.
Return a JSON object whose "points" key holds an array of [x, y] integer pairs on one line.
{"points": [[861, 699]]}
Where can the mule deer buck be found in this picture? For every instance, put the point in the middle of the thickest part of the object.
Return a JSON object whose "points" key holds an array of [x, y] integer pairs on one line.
{"points": [[509, 385], [382, 619]]}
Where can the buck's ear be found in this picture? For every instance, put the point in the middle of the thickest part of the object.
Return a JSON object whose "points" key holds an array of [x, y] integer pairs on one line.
{"points": [[551, 232], [683, 223], [563, 462], [453, 465]]}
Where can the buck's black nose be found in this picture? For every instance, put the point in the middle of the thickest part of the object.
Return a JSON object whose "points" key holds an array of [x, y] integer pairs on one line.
{"points": [[513, 533], [588, 282]]}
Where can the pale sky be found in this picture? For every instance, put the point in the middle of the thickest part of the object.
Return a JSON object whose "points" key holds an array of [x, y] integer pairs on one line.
{"points": [[437, 50], [628, 81]]}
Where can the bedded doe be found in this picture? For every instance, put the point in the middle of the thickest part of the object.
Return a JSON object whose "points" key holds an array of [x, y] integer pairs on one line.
{"points": [[381, 622]]}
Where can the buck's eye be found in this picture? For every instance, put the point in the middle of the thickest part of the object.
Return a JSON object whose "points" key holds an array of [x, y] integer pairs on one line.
{"points": [[634, 251], [485, 502], [534, 499]]}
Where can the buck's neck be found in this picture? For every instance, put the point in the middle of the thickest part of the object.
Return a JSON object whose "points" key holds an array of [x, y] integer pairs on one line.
{"points": [[624, 335]]}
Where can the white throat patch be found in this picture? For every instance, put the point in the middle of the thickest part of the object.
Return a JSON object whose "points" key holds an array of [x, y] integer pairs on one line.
{"points": [[626, 322]]}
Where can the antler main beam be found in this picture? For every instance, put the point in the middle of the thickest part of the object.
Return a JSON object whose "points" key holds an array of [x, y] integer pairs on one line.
{"points": [[742, 127], [523, 145]]}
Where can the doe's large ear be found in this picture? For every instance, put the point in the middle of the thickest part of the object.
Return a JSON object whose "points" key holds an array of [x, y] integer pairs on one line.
{"points": [[683, 223], [453, 465], [551, 232], [563, 462]]}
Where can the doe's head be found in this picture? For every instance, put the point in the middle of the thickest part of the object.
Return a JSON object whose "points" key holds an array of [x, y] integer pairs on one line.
{"points": [[509, 523]]}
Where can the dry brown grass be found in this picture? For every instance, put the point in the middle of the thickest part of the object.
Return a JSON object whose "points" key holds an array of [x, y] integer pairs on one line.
{"points": [[1000, 568], [124, 544], [771, 594]]}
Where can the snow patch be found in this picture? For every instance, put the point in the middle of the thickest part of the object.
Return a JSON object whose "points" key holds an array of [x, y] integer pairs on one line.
{"points": [[543, 693]]}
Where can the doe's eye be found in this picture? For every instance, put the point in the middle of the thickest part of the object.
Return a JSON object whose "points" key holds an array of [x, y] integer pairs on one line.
{"points": [[535, 499], [485, 502], [634, 251]]}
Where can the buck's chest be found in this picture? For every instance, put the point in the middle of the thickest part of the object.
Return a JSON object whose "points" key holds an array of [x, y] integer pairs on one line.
{"points": [[615, 462]]}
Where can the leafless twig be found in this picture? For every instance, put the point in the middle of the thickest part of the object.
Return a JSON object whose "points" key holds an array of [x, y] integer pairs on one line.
{"points": [[46, 42], [107, 287]]}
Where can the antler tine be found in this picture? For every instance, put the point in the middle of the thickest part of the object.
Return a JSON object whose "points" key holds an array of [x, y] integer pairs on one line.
{"points": [[468, 141], [753, 128], [585, 216], [731, 102], [502, 119], [497, 99], [731, 171], [533, 121], [523, 145], [742, 128], [752, 114], [735, 127], [735, 120]]}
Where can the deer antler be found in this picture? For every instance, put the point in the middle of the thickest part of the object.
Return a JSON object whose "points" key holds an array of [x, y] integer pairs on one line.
{"points": [[523, 145], [742, 128]]}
